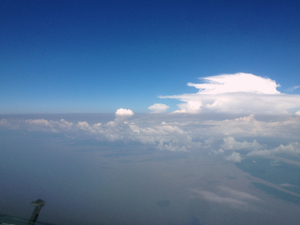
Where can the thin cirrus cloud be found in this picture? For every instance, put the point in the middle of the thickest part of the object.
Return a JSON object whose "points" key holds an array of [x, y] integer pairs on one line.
{"points": [[294, 88], [236, 93]]}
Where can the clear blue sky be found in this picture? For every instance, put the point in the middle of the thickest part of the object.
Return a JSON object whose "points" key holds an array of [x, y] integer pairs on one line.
{"points": [[98, 56]]}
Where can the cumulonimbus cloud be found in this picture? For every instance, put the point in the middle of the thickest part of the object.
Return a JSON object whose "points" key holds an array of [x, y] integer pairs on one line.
{"points": [[236, 93]]}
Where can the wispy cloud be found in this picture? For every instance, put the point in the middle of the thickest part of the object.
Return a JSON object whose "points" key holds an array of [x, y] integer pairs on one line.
{"points": [[294, 88], [227, 196], [236, 93]]}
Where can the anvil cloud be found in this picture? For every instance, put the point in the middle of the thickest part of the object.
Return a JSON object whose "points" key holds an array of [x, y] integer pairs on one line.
{"points": [[236, 93]]}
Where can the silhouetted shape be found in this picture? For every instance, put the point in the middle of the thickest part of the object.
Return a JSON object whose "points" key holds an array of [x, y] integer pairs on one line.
{"points": [[193, 221], [38, 205], [163, 203]]}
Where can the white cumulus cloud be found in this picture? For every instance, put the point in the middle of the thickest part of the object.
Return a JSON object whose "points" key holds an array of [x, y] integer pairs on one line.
{"points": [[234, 157], [124, 113], [236, 93], [158, 108], [290, 149], [231, 144]]}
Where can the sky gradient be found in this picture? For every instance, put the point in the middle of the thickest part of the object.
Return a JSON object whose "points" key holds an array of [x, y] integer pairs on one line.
{"points": [[151, 112], [99, 56]]}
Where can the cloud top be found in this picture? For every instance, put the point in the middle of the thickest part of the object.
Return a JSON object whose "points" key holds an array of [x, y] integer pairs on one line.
{"points": [[239, 82]]}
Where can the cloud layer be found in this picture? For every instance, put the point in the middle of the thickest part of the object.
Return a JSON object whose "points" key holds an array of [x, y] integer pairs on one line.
{"points": [[236, 93], [174, 132]]}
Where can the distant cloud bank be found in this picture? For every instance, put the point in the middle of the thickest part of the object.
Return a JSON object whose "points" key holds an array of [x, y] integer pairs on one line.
{"points": [[228, 138]]}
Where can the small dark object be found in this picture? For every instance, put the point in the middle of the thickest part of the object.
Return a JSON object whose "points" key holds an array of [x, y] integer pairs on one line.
{"points": [[38, 205]]}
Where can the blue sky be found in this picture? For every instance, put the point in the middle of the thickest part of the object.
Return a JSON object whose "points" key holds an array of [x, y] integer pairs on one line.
{"points": [[99, 56]]}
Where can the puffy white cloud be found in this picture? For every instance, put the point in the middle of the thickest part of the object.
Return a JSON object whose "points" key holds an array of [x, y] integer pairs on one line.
{"points": [[189, 107], [290, 149], [39, 122], [124, 113], [83, 125], [260, 153], [234, 157], [4, 122], [236, 93], [249, 126], [297, 113], [48, 125], [231, 144], [158, 108], [166, 137], [162, 135]]}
